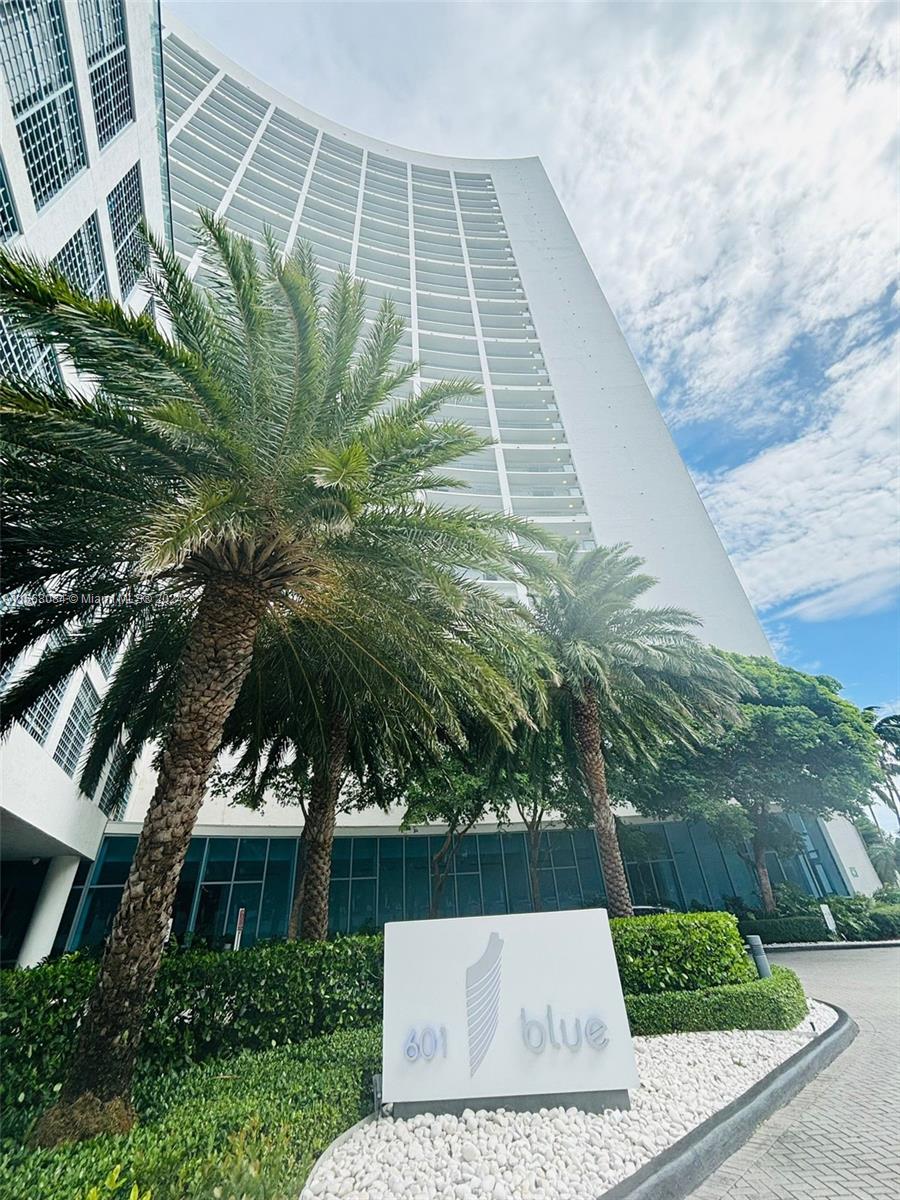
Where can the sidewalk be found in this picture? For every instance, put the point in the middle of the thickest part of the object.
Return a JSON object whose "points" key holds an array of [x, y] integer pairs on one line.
{"points": [[838, 1139]]}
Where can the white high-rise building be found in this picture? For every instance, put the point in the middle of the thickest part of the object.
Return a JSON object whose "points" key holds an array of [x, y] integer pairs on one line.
{"points": [[481, 261], [479, 258]]}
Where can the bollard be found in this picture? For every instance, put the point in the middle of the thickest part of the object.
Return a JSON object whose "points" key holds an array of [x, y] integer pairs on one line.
{"points": [[755, 946]]}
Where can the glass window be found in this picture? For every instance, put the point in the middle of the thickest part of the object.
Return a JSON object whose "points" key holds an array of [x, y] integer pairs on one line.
{"points": [[339, 906], [81, 261], [365, 850], [251, 860], [209, 926], [687, 865], [40, 717], [493, 882], [341, 850], [114, 860], [187, 887], [9, 222], [468, 895], [390, 879], [567, 887], [562, 852], [103, 22], [363, 917], [126, 210], [97, 915], [277, 894], [34, 52], [519, 888], [467, 856], [244, 896], [418, 882], [710, 856], [666, 881], [220, 859], [77, 727], [588, 862]]}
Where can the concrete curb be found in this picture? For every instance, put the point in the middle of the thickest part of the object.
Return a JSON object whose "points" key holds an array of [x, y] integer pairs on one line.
{"points": [[676, 1172], [790, 947]]}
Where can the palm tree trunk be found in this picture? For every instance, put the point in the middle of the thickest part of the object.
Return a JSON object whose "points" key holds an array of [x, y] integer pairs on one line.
{"points": [[766, 893], [293, 929], [217, 658], [586, 720], [321, 818]]}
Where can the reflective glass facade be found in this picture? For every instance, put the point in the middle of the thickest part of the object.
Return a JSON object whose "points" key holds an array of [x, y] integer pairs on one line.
{"points": [[380, 879]]}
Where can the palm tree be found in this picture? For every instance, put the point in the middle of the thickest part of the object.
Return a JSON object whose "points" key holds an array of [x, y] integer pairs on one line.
{"points": [[251, 459], [631, 677], [371, 700], [888, 731]]}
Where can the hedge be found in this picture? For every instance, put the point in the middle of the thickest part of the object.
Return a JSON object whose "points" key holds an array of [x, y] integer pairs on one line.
{"points": [[886, 919], [788, 929], [775, 1003], [246, 1128], [213, 1003], [679, 952]]}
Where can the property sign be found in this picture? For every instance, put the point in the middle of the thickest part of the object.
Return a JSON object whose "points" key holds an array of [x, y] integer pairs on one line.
{"points": [[522, 1010]]}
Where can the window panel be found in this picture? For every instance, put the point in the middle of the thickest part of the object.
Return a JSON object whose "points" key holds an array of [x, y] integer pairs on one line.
{"points": [[390, 879], [81, 261], [34, 52], [9, 222], [103, 22], [126, 211], [220, 859], [40, 717], [418, 880], [77, 727], [276, 903], [251, 860], [114, 861]]}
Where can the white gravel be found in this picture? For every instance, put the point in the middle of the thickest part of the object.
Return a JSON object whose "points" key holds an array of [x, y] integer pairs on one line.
{"points": [[558, 1154]]}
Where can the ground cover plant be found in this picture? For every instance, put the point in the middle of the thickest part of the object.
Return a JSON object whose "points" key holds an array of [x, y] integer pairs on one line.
{"points": [[244, 1127]]}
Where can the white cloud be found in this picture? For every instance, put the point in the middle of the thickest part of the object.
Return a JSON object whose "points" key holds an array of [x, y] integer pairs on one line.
{"points": [[812, 524]]}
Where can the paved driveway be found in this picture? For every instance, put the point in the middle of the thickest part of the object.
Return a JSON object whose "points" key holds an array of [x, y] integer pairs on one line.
{"points": [[839, 1139]]}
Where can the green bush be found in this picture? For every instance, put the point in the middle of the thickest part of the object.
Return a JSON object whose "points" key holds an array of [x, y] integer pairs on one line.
{"points": [[679, 952], [788, 929], [853, 917], [206, 1004], [886, 918], [775, 1003], [250, 1125], [889, 894]]}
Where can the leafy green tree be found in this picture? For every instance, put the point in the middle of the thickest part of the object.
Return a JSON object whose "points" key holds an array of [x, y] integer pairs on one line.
{"points": [[797, 747], [887, 730], [253, 458], [630, 678]]}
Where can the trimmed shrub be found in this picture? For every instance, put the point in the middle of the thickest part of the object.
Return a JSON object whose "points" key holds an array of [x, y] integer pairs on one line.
{"points": [[677, 952], [889, 894], [788, 929], [243, 1128], [886, 918], [775, 1003], [206, 1004]]}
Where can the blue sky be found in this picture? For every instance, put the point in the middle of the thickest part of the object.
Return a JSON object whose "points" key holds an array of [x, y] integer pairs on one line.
{"points": [[731, 171]]}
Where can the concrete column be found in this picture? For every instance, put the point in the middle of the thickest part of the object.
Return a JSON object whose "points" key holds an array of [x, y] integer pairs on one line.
{"points": [[48, 909]]}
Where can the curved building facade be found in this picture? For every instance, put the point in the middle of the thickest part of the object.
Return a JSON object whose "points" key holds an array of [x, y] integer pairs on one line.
{"points": [[481, 261]]}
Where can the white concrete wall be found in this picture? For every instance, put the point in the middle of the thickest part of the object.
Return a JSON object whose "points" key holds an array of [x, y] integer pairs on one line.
{"points": [[851, 856]]}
